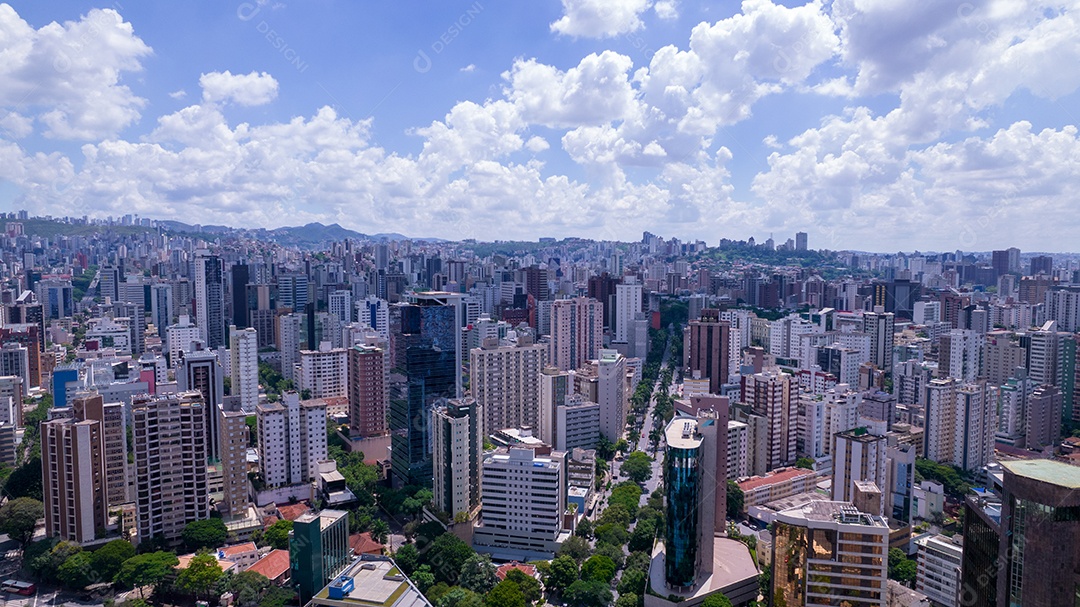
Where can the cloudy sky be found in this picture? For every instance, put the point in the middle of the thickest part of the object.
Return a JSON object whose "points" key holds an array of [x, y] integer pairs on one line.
{"points": [[871, 124]]}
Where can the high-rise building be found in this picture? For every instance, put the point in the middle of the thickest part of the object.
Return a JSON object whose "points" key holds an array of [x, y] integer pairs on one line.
{"points": [[1041, 264], [815, 543], [960, 354], [15, 361], [696, 492], [1063, 307], [182, 337], [800, 241], [708, 349], [324, 372], [505, 381], [879, 325], [858, 456], [457, 444], [1042, 419], [980, 562], [162, 307], [200, 371], [292, 440], [293, 291], [340, 308], [1040, 532], [114, 438], [524, 501], [238, 288], [73, 475], [244, 360], [375, 313], [602, 289], [56, 298], [170, 443], [109, 283], [769, 395], [262, 312], [603, 381], [369, 391], [939, 559], [289, 343], [627, 306], [318, 551], [210, 298], [576, 332], [233, 433], [960, 423]]}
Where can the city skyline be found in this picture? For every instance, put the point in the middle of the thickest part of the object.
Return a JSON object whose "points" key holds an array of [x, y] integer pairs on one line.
{"points": [[924, 127]]}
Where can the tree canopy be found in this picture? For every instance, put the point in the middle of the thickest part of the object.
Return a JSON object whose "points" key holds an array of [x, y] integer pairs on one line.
{"points": [[638, 466], [277, 536], [19, 517], [206, 533]]}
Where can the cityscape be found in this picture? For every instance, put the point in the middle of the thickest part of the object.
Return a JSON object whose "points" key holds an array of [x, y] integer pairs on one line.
{"points": [[570, 303]]}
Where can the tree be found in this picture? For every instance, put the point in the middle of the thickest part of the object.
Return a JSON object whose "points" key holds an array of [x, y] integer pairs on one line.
{"points": [[599, 568], [632, 581], [642, 537], [612, 533], [108, 559], [478, 574], [379, 530], [584, 528], [206, 533], [248, 588], [44, 558], [277, 535], [200, 576], [584, 593], [735, 500], [564, 572], [576, 548], [447, 556], [622, 445], [26, 480], [716, 600], [901, 568], [460, 597], [76, 572], [615, 514], [424, 578], [627, 600], [505, 594], [638, 466], [805, 463], [628, 495], [19, 517], [407, 558], [605, 449], [146, 570], [528, 585]]}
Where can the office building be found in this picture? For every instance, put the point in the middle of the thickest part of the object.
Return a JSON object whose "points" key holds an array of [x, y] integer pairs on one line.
{"points": [[200, 370], [244, 360], [289, 334], [1042, 418], [813, 543], [556, 386], [292, 440], [1041, 264], [170, 442], [73, 476], [576, 332], [162, 307], [15, 361], [318, 551], [239, 278], [1063, 307], [56, 298], [961, 421], [369, 391], [505, 381], [800, 241], [708, 349], [457, 444], [375, 313], [524, 493], [293, 291], [960, 354], [858, 456], [324, 372], [210, 298], [603, 381], [939, 559]]}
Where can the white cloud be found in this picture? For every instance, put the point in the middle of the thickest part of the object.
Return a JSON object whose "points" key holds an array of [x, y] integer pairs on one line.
{"points": [[600, 18], [537, 144], [16, 126], [243, 89], [178, 94], [68, 75], [596, 91], [468, 68], [666, 9]]}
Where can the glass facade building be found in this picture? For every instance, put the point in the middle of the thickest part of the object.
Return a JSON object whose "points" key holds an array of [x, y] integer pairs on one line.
{"points": [[683, 479]]}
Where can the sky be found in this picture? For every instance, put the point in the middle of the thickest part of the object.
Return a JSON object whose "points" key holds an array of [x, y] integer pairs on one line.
{"points": [[879, 125]]}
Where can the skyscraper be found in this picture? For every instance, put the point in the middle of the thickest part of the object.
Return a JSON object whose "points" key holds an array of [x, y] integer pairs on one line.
{"points": [[73, 474], [200, 371], [627, 306], [457, 444], [708, 348], [375, 313], [369, 391], [576, 332], [210, 298], [769, 395], [233, 435], [857, 456], [240, 278], [162, 307], [879, 325], [505, 381], [292, 440], [115, 441], [244, 360]]}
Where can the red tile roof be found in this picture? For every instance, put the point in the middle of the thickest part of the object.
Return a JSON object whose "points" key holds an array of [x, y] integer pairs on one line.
{"points": [[273, 565], [362, 543], [291, 512], [502, 570], [777, 476], [239, 549]]}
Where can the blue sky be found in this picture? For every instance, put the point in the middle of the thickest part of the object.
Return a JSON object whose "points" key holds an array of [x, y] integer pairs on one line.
{"points": [[885, 125]]}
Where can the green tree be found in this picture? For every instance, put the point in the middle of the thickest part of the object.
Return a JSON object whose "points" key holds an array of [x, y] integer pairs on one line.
{"points": [[530, 588], [638, 466], [576, 548], [632, 581], [642, 537], [44, 558], [615, 514], [505, 594], [407, 558], [628, 495], [716, 600], [147, 569], [901, 568], [248, 587], [447, 556], [584, 528], [277, 535], [599, 568], [478, 574], [379, 530], [25, 481], [622, 445], [611, 533], [563, 573], [612, 551], [605, 449], [108, 559], [201, 575], [584, 593], [77, 572], [735, 500], [424, 578], [460, 597], [805, 463], [206, 533], [628, 600], [19, 517]]}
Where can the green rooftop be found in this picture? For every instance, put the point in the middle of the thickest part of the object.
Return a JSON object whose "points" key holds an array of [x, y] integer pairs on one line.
{"points": [[1046, 471]]}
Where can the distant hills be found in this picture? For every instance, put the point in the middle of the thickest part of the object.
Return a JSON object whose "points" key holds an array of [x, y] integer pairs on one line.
{"points": [[312, 235]]}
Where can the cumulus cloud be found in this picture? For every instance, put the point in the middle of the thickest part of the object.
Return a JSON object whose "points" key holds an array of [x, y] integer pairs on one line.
{"points": [[256, 88], [602, 18], [68, 76]]}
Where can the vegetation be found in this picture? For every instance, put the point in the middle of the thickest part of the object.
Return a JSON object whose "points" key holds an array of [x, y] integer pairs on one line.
{"points": [[735, 500], [805, 463], [901, 568], [208, 533], [950, 477], [200, 576], [148, 569], [18, 518], [638, 466], [277, 535]]}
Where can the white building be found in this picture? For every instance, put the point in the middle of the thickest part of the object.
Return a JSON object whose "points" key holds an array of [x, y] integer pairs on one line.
{"points": [[324, 372], [505, 381], [939, 561], [375, 313], [627, 306], [244, 360], [524, 498], [738, 465], [577, 331], [457, 444], [292, 440], [289, 333], [577, 424], [858, 456], [180, 338]]}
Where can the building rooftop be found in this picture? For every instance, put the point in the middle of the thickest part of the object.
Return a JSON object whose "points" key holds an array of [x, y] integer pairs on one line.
{"points": [[779, 475], [682, 433], [835, 512], [376, 582], [1046, 471], [273, 565], [732, 567]]}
